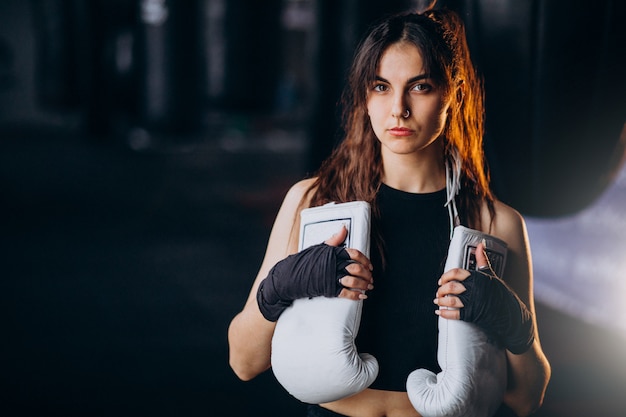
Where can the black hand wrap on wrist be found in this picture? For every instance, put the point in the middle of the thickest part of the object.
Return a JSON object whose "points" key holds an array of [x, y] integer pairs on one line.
{"points": [[313, 272], [494, 307]]}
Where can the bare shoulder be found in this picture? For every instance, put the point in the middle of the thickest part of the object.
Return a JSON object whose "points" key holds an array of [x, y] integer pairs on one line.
{"points": [[284, 232], [297, 198], [508, 223], [284, 235], [298, 191]]}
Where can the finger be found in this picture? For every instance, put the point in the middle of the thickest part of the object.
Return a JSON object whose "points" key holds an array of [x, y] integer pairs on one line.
{"points": [[352, 294], [449, 314], [454, 274], [482, 261], [450, 288], [358, 257], [448, 302], [356, 283], [338, 238], [357, 270]]}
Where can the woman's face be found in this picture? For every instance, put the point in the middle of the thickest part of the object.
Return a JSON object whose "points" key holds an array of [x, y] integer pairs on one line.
{"points": [[402, 84]]}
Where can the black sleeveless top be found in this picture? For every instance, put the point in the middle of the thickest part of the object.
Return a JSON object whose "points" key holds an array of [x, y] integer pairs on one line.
{"points": [[398, 324]]}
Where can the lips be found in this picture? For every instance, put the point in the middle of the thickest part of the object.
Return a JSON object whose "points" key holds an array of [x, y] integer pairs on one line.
{"points": [[400, 131]]}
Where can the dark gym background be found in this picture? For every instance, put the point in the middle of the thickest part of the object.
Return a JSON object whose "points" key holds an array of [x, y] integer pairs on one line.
{"points": [[145, 147]]}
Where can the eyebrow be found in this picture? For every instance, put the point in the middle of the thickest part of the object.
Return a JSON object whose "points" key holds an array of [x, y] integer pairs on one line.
{"points": [[409, 81]]}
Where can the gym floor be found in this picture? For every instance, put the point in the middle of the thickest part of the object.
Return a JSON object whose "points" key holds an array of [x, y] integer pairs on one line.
{"points": [[122, 268]]}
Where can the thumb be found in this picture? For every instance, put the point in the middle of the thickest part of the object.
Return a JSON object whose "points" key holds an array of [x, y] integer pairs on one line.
{"points": [[338, 238], [482, 261]]}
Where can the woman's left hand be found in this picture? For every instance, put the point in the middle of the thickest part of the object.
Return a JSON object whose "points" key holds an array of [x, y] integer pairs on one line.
{"points": [[482, 298], [451, 285]]}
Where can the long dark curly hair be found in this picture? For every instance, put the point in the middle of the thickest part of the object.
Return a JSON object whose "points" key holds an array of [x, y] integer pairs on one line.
{"points": [[354, 169]]}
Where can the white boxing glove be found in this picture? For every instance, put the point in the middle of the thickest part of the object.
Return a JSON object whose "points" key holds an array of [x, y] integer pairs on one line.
{"points": [[473, 373], [314, 356]]}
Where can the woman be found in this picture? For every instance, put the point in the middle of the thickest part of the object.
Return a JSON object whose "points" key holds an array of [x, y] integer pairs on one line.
{"points": [[413, 113]]}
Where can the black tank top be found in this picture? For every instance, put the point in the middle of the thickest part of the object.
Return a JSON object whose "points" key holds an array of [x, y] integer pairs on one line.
{"points": [[399, 325]]}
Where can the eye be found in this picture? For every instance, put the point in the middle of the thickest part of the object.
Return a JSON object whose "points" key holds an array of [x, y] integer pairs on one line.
{"points": [[380, 88], [422, 87]]}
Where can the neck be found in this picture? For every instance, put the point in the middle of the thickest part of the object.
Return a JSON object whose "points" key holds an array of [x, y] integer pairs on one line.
{"points": [[423, 172]]}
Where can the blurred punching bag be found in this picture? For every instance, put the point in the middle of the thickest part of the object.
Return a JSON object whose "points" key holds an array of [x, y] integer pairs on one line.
{"points": [[555, 97], [84, 60], [58, 71], [252, 55], [169, 64]]}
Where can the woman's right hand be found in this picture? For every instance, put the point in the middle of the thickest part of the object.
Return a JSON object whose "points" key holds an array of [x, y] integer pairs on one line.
{"points": [[320, 270], [359, 277]]}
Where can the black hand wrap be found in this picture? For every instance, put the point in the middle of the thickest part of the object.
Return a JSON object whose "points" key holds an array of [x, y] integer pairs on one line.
{"points": [[313, 272], [495, 308]]}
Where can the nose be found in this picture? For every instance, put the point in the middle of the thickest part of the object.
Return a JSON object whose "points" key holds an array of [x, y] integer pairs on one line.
{"points": [[399, 107]]}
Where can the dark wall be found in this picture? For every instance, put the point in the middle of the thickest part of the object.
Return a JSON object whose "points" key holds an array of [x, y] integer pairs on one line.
{"points": [[555, 99], [553, 75], [122, 262]]}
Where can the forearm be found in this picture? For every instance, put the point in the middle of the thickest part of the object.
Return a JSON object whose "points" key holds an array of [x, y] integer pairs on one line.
{"points": [[249, 339], [250, 334], [529, 374]]}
